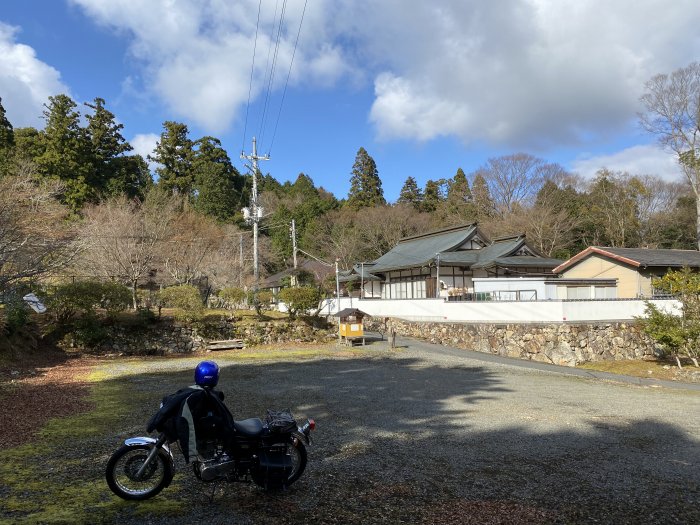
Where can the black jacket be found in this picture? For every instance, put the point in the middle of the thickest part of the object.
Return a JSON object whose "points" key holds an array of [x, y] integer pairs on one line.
{"points": [[191, 414]]}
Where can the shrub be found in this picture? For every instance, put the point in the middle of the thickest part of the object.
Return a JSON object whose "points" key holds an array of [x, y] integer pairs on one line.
{"points": [[232, 296], [115, 298], [185, 297], [300, 299], [66, 302], [14, 315]]}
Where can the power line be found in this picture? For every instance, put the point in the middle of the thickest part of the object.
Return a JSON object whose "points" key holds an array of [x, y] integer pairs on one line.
{"points": [[252, 69], [273, 65], [284, 92]]}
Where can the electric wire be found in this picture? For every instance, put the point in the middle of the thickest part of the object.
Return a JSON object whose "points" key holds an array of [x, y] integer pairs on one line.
{"points": [[284, 91], [273, 66], [252, 69]]}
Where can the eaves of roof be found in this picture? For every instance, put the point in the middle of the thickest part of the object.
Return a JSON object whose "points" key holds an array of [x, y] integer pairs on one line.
{"points": [[637, 257]]}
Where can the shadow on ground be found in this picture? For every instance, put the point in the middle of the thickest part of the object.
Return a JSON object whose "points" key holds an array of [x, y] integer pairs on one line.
{"points": [[398, 441]]}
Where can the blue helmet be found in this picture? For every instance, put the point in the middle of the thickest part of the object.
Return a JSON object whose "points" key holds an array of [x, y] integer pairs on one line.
{"points": [[206, 374]]}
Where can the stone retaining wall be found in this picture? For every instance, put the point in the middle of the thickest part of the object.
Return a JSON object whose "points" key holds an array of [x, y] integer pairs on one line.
{"points": [[561, 344], [168, 336]]}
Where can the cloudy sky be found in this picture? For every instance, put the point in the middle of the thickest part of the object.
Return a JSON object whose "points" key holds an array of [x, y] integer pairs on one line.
{"points": [[424, 87]]}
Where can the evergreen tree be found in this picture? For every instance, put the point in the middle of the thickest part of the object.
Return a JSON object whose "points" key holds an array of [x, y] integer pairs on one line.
{"points": [[66, 152], [217, 183], [108, 147], [432, 196], [483, 203], [174, 152], [365, 184], [411, 193], [459, 204], [130, 177], [7, 142]]}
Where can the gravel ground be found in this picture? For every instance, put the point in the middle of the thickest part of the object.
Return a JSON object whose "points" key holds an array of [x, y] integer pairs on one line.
{"points": [[428, 435]]}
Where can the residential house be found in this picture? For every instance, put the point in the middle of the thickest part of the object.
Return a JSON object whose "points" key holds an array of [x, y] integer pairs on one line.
{"points": [[633, 268], [445, 262]]}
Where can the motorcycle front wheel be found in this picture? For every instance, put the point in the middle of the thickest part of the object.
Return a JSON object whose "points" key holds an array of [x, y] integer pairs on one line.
{"points": [[123, 467]]}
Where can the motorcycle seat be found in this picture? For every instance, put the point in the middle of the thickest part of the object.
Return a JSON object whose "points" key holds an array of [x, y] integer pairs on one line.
{"points": [[252, 427]]}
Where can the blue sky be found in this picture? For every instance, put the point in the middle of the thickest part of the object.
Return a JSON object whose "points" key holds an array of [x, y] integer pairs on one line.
{"points": [[424, 87]]}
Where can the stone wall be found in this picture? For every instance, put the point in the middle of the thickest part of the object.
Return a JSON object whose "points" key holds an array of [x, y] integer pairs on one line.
{"points": [[168, 336], [561, 344]]}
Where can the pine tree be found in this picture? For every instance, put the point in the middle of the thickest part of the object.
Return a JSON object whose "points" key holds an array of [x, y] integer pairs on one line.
{"points": [[174, 152], [411, 193], [365, 184]]}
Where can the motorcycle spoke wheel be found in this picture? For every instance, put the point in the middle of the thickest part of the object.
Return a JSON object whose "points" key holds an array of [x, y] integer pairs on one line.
{"points": [[297, 453], [122, 473]]}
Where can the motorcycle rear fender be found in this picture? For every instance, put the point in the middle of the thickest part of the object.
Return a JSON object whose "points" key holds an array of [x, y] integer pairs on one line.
{"points": [[302, 437], [145, 440]]}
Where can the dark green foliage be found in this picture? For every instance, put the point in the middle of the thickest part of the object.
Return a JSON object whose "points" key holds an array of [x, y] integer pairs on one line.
{"points": [[300, 299], [67, 302], [15, 314], [175, 154], [365, 184], [186, 298], [218, 185], [411, 193], [66, 154], [679, 333], [432, 196], [7, 142], [483, 203]]}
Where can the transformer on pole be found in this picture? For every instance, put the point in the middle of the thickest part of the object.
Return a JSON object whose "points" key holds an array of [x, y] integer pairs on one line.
{"points": [[255, 212]]}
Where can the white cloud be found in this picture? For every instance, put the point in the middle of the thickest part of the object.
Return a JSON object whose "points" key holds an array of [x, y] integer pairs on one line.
{"points": [[513, 73], [197, 56], [636, 160], [519, 73], [25, 81], [143, 145]]}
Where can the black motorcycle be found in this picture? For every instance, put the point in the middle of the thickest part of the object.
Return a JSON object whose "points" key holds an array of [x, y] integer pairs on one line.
{"points": [[270, 452]]}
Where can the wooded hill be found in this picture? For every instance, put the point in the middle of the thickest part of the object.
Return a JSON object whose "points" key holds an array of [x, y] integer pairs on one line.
{"points": [[74, 197]]}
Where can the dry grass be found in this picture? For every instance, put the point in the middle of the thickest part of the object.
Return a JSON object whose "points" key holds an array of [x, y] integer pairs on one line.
{"points": [[657, 368]]}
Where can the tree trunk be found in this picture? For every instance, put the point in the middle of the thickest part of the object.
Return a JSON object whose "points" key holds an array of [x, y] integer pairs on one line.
{"points": [[697, 224], [678, 362], [134, 284]]}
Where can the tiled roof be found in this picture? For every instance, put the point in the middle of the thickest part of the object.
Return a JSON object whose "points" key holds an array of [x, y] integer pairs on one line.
{"points": [[639, 257], [423, 250]]}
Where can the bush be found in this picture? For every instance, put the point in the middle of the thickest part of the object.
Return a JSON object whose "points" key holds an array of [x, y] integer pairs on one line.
{"points": [[300, 299], [66, 302], [115, 298], [14, 315], [185, 297], [232, 296]]}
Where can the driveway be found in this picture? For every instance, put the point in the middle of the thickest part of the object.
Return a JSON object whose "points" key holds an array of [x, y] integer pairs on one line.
{"points": [[427, 434]]}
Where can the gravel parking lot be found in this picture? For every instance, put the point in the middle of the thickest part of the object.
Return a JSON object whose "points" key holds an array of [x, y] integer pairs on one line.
{"points": [[424, 434]]}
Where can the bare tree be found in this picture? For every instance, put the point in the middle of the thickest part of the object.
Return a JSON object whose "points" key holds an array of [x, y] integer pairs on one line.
{"points": [[514, 180], [191, 241], [35, 236], [124, 237], [672, 104]]}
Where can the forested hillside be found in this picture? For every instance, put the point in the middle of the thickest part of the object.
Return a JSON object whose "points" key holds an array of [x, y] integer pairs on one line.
{"points": [[74, 198]]}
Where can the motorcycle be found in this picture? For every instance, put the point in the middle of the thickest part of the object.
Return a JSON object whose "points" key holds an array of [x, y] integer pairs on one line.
{"points": [[271, 452]]}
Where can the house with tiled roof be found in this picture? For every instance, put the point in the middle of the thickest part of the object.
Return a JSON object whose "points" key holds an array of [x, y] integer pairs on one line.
{"points": [[633, 268], [445, 262]]}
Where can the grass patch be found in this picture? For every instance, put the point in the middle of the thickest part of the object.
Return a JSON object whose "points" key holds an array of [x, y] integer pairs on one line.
{"points": [[59, 478], [656, 369]]}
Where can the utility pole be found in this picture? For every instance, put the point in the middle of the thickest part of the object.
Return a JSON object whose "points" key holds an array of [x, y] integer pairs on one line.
{"points": [[240, 259], [254, 214], [294, 243]]}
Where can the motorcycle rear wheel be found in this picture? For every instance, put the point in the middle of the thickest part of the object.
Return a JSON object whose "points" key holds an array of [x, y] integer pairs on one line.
{"points": [[123, 466]]}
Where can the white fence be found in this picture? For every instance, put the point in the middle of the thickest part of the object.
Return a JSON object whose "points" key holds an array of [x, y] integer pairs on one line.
{"points": [[550, 311]]}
